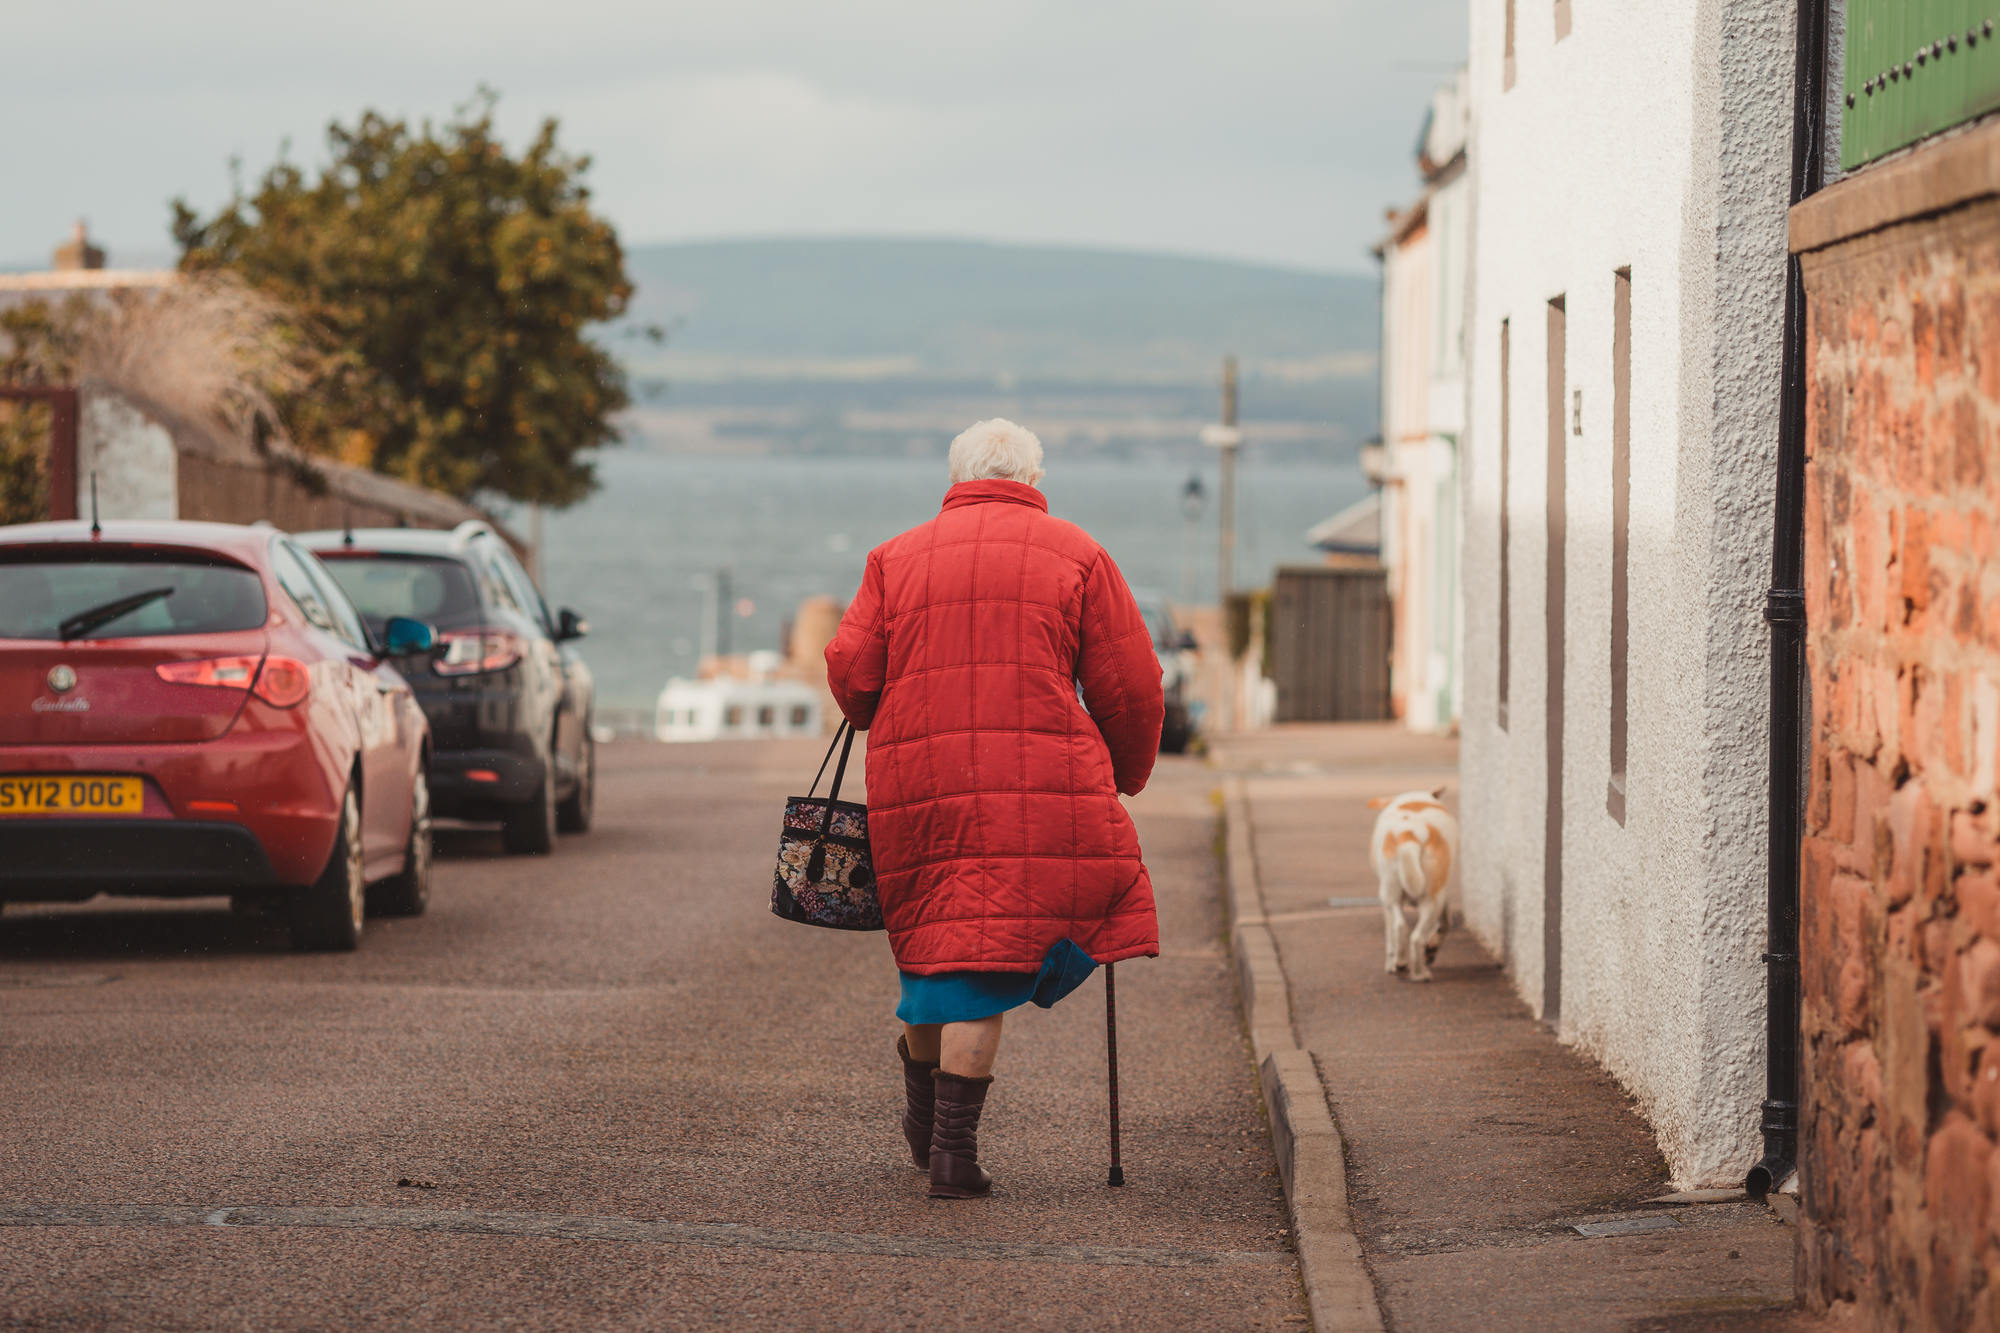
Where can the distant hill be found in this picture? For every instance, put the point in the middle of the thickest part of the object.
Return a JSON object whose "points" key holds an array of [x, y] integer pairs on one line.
{"points": [[954, 308]]}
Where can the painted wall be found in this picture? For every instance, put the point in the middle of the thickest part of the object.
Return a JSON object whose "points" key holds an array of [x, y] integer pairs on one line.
{"points": [[1407, 307], [1423, 356], [1654, 138], [131, 458]]}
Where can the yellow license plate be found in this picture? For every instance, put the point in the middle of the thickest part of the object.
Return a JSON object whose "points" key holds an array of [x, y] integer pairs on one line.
{"points": [[71, 794]]}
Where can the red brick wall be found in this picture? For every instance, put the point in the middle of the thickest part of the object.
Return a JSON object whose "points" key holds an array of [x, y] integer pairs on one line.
{"points": [[1901, 904]]}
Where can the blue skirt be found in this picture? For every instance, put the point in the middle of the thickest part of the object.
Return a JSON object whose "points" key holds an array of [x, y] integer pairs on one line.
{"points": [[965, 997]]}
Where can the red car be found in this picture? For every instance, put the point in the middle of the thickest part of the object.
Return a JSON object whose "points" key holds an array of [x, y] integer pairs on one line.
{"points": [[190, 709]]}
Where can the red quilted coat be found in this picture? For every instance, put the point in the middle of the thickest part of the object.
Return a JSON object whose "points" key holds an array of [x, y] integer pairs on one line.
{"points": [[993, 810]]}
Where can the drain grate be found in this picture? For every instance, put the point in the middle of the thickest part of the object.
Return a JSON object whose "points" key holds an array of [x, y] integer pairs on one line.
{"points": [[1625, 1226]]}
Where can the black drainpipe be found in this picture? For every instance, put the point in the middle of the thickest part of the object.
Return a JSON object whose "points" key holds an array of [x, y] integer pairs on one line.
{"points": [[1785, 609]]}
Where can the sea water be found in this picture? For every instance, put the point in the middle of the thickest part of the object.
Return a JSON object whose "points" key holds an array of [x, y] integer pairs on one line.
{"points": [[638, 558]]}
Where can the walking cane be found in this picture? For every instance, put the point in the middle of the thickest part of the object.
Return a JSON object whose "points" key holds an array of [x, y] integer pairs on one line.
{"points": [[1111, 1054]]}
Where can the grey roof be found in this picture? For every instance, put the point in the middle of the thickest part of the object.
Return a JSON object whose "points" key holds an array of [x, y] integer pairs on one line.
{"points": [[1355, 530]]}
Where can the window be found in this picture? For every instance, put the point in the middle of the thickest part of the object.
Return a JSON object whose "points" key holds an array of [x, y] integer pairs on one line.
{"points": [[298, 585], [1562, 19], [766, 715], [524, 588], [732, 716], [346, 621], [1507, 70], [497, 589], [437, 590], [71, 593], [799, 714], [1506, 595], [1621, 529]]}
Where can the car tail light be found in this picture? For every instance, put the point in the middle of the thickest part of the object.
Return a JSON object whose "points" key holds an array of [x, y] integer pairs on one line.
{"points": [[235, 672], [468, 651], [282, 682]]}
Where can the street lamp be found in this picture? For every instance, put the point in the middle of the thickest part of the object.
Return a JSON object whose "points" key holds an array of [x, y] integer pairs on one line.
{"points": [[1194, 499]]}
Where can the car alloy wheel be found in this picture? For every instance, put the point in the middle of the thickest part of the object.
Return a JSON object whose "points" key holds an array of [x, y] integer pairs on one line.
{"points": [[417, 865], [574, 815], [357, 881], [530, 828], [408, 892], [329, 912]]}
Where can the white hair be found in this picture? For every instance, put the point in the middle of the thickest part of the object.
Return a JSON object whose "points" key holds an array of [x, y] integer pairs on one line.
{"points": [[996, 449]]}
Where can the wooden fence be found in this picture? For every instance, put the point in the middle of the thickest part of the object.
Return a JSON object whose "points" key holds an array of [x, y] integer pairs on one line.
{"points": [[1330, 644]]}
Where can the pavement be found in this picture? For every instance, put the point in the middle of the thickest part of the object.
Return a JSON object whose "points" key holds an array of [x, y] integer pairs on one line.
{"points": [[1470, 1140], [622, 1095]]}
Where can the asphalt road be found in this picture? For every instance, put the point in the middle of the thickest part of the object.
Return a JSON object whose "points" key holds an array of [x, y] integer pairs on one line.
{"points": [[627, 1097]]}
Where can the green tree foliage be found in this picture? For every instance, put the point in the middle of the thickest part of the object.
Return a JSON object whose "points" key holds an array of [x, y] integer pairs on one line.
{"points": [[38, 345], [450, 284]]}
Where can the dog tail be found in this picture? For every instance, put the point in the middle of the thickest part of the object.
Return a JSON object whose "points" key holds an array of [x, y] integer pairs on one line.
{"points": [[1410, 871]]}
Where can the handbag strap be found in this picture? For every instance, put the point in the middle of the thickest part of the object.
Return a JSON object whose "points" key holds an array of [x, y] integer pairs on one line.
{"points": [[838, 732], [833, 793], [816, 863]]}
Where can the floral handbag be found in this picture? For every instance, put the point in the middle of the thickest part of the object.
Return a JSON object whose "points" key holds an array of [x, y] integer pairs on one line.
{"points": [[825, 876]]}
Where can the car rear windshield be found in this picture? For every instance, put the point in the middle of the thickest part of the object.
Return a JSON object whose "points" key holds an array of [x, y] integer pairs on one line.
{"points": [[436, 589], [102, 593]]}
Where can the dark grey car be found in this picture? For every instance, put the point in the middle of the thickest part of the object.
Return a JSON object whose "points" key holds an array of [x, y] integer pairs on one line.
{"points": [[507, 695]]}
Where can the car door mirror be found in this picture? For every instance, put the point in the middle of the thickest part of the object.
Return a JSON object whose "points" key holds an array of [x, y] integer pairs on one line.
{"points": [[570, 625], [1187, 642], [404, 637]]}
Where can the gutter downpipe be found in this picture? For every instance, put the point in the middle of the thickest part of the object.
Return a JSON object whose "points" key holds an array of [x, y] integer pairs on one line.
{"points": [[1785, 609]]}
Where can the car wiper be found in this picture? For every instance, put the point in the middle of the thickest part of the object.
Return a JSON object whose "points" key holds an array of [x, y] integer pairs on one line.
{"points": [[83, 622]]}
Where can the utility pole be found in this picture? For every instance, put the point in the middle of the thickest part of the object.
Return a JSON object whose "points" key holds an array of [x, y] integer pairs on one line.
{"points": [[1227, 438], [725, 610], [711, 591]]}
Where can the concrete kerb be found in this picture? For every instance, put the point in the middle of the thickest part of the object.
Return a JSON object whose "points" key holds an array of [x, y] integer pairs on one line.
{"points": [[1311, 1161]]}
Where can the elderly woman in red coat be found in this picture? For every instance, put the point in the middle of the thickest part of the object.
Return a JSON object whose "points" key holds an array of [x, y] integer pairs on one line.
{"points": [[1010, 692]]}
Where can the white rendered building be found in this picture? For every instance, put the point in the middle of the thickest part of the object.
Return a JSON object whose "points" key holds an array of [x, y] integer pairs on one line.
{"points": [[1423, 410], [1629, 170]]}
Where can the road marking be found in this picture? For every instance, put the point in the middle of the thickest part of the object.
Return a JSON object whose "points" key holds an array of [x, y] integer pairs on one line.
{"points": [[54, 980], [710, 1235]]}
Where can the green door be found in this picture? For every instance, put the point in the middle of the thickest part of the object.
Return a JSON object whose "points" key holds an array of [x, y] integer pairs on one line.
{"points": [[1915, 67]]}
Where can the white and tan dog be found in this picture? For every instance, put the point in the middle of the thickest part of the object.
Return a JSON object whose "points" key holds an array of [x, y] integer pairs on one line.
{"points": [[1412, 849]]}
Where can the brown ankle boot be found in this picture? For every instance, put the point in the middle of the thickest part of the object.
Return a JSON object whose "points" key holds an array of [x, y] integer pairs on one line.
{"points": [[955, 1172], [919, 1097]]}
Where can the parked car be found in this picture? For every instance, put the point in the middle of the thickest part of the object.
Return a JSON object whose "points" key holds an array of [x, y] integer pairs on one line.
{"points": [[509, 697], [1176, 649], [196, 709]]}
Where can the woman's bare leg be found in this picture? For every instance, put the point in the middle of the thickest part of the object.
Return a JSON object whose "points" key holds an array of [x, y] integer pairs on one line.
{"points": [[922, 1040], [969, 1049]]}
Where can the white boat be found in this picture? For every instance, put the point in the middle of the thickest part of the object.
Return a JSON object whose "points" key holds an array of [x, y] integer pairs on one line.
{"points": [[731, 708]]}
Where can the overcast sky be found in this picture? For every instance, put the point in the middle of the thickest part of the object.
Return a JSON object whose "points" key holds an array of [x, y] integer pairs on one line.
{"points": [[1271, 130]]}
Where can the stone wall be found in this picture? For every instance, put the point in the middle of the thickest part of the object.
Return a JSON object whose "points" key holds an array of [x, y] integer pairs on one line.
{"points": [[150, 464], [1901, 902]]}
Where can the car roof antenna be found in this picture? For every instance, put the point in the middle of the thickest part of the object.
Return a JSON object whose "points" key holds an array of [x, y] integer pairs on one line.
{"points": [[347, 525], [95, 529]]}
